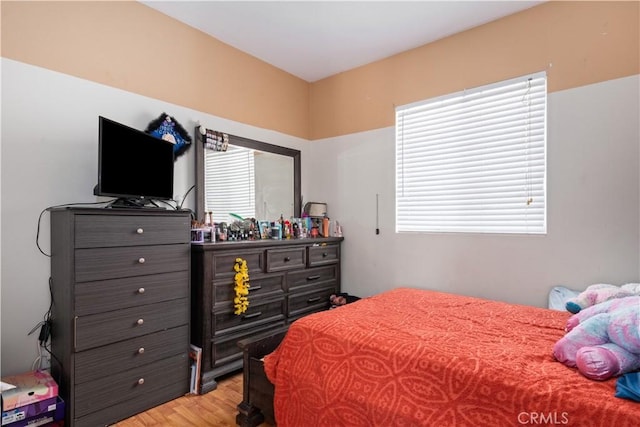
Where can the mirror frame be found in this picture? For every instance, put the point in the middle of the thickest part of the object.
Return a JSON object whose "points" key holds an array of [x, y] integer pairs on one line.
{"points": [[256, 145]]}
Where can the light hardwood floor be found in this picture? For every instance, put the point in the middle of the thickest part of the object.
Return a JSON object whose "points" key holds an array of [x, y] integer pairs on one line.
{"points": [[216, 408]]}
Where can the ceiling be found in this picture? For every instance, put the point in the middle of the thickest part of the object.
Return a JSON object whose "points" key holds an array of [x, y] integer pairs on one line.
{"points": [[317, 39]]}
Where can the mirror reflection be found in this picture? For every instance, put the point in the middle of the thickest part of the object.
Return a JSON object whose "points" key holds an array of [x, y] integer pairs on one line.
{"points": [[251, 179], [248, 183]]}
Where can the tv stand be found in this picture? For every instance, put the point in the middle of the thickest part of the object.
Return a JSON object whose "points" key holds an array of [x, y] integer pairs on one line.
{"points": [[132, 203]]}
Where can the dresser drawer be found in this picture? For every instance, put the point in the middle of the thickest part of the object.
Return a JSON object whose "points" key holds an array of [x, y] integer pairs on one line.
{"points": [[223, 263], [323, 254], [111, 263], [258, 313], [311, 277], [112, 414], [108, 360], [309, 302], [286, 259], [97, 231], [116, 294], [259, 287], [225, 348], [130, 385], [106, 328]]}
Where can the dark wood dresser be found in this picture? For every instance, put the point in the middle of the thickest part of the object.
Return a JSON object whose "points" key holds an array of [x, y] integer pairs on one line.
{"points": [[120, 332], [288, 279]]}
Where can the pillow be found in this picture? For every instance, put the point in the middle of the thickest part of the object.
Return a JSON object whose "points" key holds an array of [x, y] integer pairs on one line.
{"points": [[558, 297]]}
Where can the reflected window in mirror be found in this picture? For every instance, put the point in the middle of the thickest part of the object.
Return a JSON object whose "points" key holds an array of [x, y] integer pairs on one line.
{"points": [[229, 183], [252, 179]]}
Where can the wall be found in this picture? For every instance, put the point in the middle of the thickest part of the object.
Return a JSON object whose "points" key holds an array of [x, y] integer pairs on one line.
{"points": [[577, 43], [50, 157], [127, 45], [130, 46], [101, 58], [593, 209]]}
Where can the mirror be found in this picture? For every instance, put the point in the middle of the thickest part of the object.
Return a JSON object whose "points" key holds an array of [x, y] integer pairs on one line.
{"points": [[249, 177]]}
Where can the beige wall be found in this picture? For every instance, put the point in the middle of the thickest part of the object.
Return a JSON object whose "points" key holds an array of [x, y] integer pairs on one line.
{"points": [[127, 45], [585, 42], [132, 47]]}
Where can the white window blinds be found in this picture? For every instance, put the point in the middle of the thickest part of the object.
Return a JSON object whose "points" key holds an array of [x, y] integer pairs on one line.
{"points": [[233, 172], [474, 161]]}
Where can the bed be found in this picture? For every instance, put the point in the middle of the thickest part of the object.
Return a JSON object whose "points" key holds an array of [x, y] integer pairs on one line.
{"points": [[410, 357]]}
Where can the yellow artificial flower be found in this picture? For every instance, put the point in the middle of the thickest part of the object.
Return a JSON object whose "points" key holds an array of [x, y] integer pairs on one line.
{"points": [[241, 288]]}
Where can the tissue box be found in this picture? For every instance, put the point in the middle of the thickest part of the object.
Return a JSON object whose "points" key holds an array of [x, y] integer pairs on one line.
{"points": [[22, 418], [30, 387]]}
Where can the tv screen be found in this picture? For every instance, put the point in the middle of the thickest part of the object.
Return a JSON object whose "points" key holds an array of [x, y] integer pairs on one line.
{"points": [[133, 165]]}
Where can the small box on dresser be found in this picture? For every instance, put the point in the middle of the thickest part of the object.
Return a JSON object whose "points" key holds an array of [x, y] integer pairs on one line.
{"points": [[120, 332], [288, 279]]}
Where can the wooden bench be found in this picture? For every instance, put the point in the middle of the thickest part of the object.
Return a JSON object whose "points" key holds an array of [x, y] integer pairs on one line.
{"points": [[257, 391]]}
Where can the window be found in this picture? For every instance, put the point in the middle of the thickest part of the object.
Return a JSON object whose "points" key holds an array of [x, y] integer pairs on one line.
{"points": [[235, 168], [474, 161]]}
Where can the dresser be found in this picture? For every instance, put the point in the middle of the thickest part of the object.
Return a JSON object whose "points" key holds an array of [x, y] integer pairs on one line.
{"points": [[288, 279], [120, 315]]}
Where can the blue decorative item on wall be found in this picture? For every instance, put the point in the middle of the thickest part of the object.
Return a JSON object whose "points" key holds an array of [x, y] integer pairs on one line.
{"points": [[167, 128]]}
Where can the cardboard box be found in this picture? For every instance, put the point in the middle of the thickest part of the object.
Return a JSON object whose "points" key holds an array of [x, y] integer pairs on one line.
{"points": [[30, 387], [29, 411], [54, 414]]}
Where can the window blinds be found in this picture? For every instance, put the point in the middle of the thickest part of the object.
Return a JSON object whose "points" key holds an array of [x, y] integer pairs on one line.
{"points": [[235, 169], [474, 161]]}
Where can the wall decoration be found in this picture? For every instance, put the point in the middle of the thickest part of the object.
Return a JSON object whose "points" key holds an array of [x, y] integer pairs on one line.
{"points": [[167, 128], [214, 140]]}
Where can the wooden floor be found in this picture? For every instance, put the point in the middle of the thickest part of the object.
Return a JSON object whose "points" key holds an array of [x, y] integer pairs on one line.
{"points": [[216, 408]]}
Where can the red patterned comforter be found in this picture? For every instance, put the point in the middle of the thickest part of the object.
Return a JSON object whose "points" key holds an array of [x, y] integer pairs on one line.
{"points": [[412, 357]]}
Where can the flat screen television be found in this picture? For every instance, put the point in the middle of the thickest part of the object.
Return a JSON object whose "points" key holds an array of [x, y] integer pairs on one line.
{"points": [[133, 166]]}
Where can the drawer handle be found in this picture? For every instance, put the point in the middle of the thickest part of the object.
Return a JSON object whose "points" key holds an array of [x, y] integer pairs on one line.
{"points": [[141, 260], [141, 350], [141, 381], [254, 288], [324, 254], [140, 321], [312, 300], [287, 259], [141, 291], [251, 316], [316, 277], [139, 231]]}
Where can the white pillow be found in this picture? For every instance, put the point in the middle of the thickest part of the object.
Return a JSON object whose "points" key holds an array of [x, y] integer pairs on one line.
{"points": [[558, 297]]}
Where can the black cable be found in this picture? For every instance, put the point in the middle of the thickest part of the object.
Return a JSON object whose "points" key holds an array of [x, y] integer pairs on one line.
{"points": [[185, 197], [45, 323], [165, 202], [61, 206]]}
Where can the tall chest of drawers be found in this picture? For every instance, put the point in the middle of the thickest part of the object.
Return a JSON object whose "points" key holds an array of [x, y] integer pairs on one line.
{"points": [[288, 279], [120, 332]]}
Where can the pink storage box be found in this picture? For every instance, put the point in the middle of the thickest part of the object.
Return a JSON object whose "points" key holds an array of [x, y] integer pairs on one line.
{"points": [[30, 387]]}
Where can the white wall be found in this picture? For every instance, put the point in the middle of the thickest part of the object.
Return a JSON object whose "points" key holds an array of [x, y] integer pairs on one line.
{"points": [[593, 209], [49, 157]]}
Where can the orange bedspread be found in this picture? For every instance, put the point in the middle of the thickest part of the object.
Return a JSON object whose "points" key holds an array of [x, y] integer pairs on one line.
{"points": [[411, 357]]}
